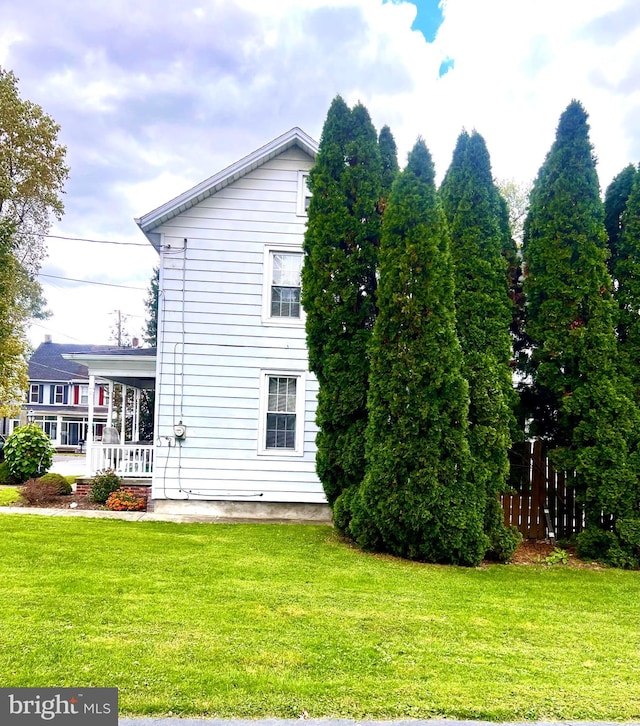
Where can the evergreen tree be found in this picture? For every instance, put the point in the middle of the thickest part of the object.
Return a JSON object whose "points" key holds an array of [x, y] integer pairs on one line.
{"points": [[615, 201], [627, 275], [389, 158], [581, 402], [416, 500], [480, 244], [339, 293]]}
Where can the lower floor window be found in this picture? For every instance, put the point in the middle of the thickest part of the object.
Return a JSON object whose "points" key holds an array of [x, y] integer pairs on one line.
{"points": [[282, 413]]}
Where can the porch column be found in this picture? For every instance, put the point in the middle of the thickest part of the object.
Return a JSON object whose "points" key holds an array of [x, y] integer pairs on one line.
{"points": [[91, 403], [123, 415], [135, 429], [110, 404]]}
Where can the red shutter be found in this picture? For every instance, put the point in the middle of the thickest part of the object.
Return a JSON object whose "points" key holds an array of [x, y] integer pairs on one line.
{"points": [[76, 395], [101, 396]]}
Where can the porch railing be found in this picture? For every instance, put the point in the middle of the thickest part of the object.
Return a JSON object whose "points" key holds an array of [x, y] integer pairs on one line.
{"points": [[130, 461]]}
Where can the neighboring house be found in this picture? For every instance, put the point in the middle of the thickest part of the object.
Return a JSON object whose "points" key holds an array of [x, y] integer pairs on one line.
{"points": [[234, 399], [58, 395]]}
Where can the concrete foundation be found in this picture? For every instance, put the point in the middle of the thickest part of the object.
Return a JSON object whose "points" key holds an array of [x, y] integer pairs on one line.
{"points": [[246, 511]]}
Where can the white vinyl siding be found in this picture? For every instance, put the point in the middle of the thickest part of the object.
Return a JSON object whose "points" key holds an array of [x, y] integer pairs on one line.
{"points": [[217, 344]]}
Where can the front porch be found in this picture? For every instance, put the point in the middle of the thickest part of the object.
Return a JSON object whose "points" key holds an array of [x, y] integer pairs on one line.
{"points": [[130, 373]]}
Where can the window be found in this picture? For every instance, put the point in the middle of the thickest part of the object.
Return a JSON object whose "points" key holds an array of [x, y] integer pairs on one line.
{"points": [[84, 395], [59, 394], [34, 393], [282, 414], [304, 194], [282, 287]]}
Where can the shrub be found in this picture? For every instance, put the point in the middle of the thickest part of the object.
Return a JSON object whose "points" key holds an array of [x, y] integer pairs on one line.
{"points": [[5, 475], [123, 501], [28, 452], [104, 483], [504, 541], [63, 485], [36, 492]]}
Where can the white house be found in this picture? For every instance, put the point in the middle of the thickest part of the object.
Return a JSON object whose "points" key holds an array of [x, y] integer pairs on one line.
{"points": [[235, 401]]}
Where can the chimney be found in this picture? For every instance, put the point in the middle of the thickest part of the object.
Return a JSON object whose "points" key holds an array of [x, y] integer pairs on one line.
{"points": [[47, 338]]}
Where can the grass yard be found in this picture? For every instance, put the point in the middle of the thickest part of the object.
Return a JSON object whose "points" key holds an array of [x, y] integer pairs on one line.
{"points": [[266, 620]]}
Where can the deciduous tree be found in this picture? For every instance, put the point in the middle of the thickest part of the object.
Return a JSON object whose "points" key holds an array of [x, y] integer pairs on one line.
{"points": [[32, 175]]}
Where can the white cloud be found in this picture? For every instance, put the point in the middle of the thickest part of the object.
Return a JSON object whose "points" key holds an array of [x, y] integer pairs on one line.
{"points": [[154, 99]]}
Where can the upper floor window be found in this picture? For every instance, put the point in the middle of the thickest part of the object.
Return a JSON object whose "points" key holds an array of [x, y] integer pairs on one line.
{"points": [[34, 393], [282, 286], [58, 396], [84, 395], [304, 193]]}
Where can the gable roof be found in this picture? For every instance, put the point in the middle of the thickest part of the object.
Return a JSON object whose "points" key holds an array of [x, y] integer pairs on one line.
{"points": [[48, 364], [186, 200]]}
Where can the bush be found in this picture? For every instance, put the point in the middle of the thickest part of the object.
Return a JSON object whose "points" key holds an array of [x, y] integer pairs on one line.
{"points": [[607, 547], [504, 541], [35, 492], [63, 485], [28, 452], [5, 475], [104, 483], [123, 501]]}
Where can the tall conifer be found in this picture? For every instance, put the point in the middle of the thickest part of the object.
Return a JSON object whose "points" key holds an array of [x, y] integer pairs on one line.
{"points": [[416, 500], [627, 275], [389, 158], [480, 242], [339, 290], [615, 202], [584, 406]]}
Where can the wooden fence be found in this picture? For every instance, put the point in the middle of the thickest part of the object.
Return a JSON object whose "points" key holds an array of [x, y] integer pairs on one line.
{"points": [[543, 505]]}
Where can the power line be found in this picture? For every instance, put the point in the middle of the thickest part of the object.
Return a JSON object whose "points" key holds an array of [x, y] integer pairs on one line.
{"points": [[92, 282], [98, 241]]}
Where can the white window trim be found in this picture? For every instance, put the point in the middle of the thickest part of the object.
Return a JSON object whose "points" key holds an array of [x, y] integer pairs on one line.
{"points": [[269, 251], [37, 392], [55, 395], [301, 389], [302, 193]]}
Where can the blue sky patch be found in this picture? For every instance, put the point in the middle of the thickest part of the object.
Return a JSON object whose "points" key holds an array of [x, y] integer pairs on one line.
{"points": [[446, 65], [428, 19]]}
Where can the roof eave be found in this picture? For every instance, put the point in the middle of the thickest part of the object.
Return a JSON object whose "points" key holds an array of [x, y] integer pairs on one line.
{"points": [[152, 220]]}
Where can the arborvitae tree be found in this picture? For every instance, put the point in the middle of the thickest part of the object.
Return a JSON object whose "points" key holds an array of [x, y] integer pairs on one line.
{"points": [[389, 158], [480, 239], [627, 275], [583, 405], [416, 500], [615, 201], [339, 292]]}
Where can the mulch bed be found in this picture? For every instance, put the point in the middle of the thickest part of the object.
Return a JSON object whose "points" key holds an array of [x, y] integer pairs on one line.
{"points": [[81, 501]]}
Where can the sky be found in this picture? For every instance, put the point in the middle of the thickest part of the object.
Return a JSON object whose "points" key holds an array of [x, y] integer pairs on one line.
{"points": [[154, 96]]}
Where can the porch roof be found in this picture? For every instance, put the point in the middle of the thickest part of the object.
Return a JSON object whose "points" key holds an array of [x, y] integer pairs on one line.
{"points": [[135, 367]]}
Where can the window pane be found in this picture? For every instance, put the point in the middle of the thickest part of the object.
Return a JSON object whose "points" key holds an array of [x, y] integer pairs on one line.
{"points": [[286, 269], [281, 431], [285, 302]]}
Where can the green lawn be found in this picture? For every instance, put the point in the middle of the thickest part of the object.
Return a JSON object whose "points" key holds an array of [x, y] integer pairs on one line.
{"points": [[266, 620]]}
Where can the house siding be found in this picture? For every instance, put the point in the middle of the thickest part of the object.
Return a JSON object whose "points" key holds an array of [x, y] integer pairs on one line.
{"points": [[213, 344]]}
